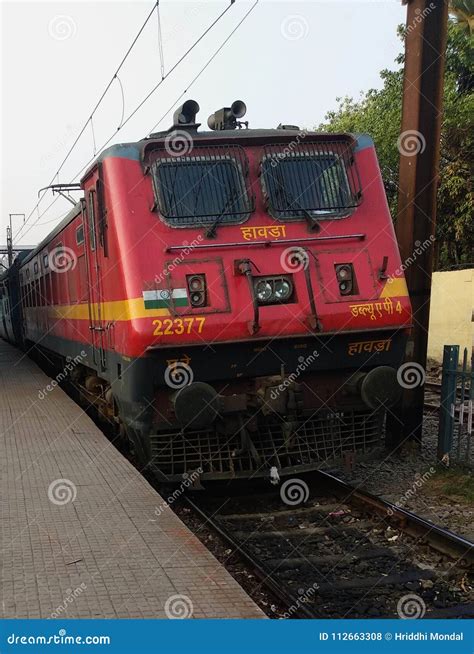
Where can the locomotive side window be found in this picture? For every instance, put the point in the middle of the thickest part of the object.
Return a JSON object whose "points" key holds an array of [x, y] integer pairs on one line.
{"points": [[198, 190], [91, 219], [80, 235], [102, 216]]}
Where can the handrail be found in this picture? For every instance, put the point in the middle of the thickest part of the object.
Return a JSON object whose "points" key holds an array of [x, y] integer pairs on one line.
{"points": [[247, 244]]}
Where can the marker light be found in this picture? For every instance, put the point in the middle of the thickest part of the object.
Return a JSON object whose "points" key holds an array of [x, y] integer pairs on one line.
{"points": [[197, 290], [345, 278]]}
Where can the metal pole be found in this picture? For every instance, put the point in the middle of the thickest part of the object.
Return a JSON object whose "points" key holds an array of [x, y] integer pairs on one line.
{"points": [[10, 244], [10, 238], [447, 400], [425, 46]]}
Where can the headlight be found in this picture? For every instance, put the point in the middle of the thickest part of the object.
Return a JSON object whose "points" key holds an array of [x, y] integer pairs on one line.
{"points": [[263, 290], [282, 290], [272, 290]]}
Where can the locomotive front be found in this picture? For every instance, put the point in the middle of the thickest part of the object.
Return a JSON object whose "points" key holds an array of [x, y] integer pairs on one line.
{"points": [[273, 307]]}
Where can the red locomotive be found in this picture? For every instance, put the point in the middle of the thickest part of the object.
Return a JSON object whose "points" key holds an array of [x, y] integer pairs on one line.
{"points": [[238, 294]]}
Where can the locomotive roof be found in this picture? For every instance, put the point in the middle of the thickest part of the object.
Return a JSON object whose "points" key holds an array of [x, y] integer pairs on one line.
{"points": [[137, 150], [65, 221]]}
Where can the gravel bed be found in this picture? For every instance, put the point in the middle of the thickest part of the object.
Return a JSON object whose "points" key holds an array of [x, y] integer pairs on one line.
{"points": [[413, 479]]}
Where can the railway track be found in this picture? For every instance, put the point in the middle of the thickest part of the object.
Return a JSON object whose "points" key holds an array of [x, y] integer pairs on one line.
{"points": [[432, 390], [433, 396], [344, 553]]}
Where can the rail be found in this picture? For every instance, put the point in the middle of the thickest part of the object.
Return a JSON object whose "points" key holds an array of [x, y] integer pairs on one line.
{"points": [[285, 549]]}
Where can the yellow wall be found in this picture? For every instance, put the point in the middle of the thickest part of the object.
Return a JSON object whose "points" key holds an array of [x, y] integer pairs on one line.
{"points": [[451, 312]]}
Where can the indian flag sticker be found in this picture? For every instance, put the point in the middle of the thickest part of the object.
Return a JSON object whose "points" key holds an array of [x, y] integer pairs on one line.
{"points": [[163, 298]]}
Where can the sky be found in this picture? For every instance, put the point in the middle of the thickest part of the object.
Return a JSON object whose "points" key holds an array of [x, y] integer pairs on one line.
{"points": [[288, 61]]}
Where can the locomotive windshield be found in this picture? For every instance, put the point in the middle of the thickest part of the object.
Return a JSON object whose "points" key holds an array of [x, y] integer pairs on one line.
{"points": [[199, 190], [301, 183]]}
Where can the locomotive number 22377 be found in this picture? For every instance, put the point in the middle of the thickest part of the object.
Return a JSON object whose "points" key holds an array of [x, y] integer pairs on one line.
{"points": [[168, 326]]}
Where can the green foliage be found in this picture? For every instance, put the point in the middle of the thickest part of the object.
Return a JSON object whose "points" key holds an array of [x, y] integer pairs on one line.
{"points": [[456, 483], [378, 113], [463, 13]]}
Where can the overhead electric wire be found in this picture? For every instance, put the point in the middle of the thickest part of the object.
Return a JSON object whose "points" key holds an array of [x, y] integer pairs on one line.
{"points": [[171, 70], [155, 6], [123, 100], [52, 220], [209, 61], [160, 43], [133, 112], [155, 88]]}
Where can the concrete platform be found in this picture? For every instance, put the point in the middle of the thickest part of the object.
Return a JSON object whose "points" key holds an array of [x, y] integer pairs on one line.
{"points": [[83, 534]]}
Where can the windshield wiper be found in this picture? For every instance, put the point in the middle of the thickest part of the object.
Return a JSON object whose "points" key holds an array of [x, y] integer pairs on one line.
{"points": [[211, 231], [291, 202]]}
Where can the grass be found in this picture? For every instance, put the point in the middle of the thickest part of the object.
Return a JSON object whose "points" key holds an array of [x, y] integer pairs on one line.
{"points": [[455, 483]]}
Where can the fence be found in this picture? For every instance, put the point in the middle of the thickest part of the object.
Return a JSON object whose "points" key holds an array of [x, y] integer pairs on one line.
{"points": [[456, 407]]}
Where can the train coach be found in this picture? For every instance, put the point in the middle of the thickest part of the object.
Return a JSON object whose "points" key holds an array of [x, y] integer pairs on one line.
{"points": [[233, 300]]}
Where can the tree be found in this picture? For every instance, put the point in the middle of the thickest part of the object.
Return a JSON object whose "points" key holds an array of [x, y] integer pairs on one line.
{"points": [[378, 113], [463, 13]]}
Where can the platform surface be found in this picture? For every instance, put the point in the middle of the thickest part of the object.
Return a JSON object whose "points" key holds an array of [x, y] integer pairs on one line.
{"points": [[82, 533]]}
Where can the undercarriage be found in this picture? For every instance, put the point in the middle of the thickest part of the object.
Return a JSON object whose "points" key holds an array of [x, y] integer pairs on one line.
{"points": [[274, 448]]}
